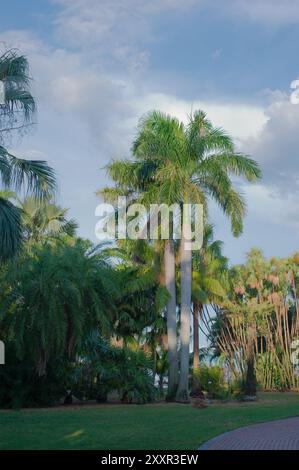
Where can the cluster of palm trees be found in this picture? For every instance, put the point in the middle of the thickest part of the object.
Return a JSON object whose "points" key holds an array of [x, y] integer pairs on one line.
{"points": [[256, 329], [140, 294], [181, 164]]}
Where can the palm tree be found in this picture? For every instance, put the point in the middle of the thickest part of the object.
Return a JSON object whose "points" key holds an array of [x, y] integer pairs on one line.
{"points": [[58, 293], [208, 285], [34, 176], [158, 146], [134, 179], [171, 309], [140, 299], [45, 220], [189, 164], [18, 107], [184, 164], [37, 178]]}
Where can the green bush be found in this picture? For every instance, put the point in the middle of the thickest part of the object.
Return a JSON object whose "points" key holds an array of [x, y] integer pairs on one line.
{"points": [[237, 388], [104, 368], [101, 369], [211, 380], [21, 386]]}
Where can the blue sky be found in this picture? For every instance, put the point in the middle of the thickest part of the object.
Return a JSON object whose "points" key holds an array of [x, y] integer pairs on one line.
{"points": [[99, 64], [34, 15], [221, 54]]}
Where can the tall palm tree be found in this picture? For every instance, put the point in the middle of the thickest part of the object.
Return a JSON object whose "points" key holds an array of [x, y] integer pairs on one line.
{"points": [[136, 180], [189, 164], [33, 176], [171, 309], [184, 164]]}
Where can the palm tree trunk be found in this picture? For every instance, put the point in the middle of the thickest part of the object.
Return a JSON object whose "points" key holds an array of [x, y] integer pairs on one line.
{"points": [[196, 388], [169, 266], [195, 336], [154, 355], [161, 377], [250, 382], [182, 395]]}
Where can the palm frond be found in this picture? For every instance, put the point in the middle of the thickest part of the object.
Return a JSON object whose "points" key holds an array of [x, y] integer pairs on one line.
{"points": [[19, 105], [35, 176], [10, 230], [235, 163]]}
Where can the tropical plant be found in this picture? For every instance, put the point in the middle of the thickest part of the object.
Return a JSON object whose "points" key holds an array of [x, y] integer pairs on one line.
{"points": [[105, 368], [52, 297], [211, 379], [34, 176], [255, 330], [184, 165], [140, 299], [18, 107], [45, 220], [209, 279]]}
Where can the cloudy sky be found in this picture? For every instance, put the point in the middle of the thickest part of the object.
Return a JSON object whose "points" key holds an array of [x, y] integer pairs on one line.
{"points": [[99, 64]]}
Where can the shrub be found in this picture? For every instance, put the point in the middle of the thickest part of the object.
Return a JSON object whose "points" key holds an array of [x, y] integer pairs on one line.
{"points": [[104, 368], [22, 387], [211, 379]]}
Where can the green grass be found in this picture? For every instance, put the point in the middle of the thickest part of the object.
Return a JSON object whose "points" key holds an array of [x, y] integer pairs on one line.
{"points": [[169, 426]]}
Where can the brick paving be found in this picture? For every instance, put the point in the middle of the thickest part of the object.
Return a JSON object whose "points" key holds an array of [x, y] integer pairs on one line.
{"points": [[274, 435]]}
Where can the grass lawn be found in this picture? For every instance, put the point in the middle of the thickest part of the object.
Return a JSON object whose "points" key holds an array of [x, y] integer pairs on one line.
{"points": [[160, 426]]}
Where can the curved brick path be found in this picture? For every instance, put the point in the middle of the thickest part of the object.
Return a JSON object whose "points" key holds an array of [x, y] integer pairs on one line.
{"points": [[274, 435]]}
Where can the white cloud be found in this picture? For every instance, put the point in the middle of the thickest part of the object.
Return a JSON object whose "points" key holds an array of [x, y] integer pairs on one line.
{"points": [[268, 11], [89, 23], [268, 205], [240, 120], [116, 26], [64, 84], [276, 146], [276, 199]]}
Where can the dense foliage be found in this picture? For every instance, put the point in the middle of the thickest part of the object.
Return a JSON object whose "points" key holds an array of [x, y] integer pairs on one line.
{"points": [[257, 327], [83, 321]]}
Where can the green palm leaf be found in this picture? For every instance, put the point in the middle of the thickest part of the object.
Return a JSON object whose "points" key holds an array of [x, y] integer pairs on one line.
{"points": [[10, 229]]}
